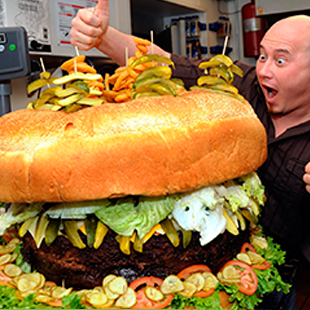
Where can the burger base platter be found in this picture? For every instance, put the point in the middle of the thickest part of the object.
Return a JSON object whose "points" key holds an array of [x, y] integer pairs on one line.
{"points": [[221, 290]]}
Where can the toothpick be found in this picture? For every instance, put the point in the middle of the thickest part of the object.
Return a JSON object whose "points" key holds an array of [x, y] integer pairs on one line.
{"points": [[42, 64], [77, 51], [43, 68], [126, 56], [152, 42], [225, 44], [152, 45]]}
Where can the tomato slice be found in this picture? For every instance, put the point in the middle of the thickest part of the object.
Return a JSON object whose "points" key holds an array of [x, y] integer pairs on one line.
{"points": [[249, 280], [142, 301], [249, 247], [185, 273]]}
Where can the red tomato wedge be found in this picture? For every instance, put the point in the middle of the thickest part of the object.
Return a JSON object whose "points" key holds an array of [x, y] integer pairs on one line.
{"points": [[185, 273], [249, 247], [142, 301], [249, 282]]}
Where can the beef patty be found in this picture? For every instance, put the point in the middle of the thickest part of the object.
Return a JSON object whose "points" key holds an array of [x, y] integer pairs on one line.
{"points": [[86, 268]]}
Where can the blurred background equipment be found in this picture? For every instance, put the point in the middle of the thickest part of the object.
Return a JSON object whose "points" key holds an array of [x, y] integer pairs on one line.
{"points": [[15, 62], [254, 28]]}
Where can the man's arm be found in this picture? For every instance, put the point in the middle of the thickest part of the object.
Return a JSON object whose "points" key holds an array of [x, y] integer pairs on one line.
{"points": [[90, 29]]}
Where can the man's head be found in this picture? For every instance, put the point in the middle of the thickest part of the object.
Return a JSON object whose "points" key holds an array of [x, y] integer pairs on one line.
{"points": [[283, 68]]}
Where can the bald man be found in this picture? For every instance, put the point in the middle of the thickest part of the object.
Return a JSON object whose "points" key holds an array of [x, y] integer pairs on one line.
{"points": [[279, 91]]}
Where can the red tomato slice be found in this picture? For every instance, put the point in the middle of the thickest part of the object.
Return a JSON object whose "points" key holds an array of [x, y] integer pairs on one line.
{"points": [[249, 280], [249, 247], [142, 301], [185, 273]]}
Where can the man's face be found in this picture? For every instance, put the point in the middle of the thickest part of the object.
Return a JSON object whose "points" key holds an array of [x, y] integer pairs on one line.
{"points": [[283, 68]]}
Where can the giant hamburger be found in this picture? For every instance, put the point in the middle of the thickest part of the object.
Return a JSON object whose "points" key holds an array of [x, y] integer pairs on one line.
{"points": [[143, 188]]}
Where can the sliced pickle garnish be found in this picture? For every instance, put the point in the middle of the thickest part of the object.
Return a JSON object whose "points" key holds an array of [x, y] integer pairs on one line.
{"points": [[5, 258], [97, 299], [211, 281], [59, 292], [12, 270], [118, 285], [244, 257], [197, 279], [189, 290], [127, 300], [153, 293], [256, 258], [171, 284], [231, 273]]}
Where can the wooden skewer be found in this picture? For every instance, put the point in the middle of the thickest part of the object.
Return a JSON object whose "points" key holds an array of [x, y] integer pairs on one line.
{"points": [[225, 44], [43, 68], [126, 56], [152, 45]]}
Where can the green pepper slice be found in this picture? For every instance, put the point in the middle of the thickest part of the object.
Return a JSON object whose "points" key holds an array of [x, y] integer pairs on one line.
{"points": [[170, 232], [71, 230], [158, 71], [152, 57]]}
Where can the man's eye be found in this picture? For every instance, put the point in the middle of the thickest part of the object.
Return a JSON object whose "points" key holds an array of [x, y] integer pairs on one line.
{"points": [[262, 57], [280, 61]]}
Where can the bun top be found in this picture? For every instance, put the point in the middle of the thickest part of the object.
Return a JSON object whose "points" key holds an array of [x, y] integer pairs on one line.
{"points": [[150, 146]]}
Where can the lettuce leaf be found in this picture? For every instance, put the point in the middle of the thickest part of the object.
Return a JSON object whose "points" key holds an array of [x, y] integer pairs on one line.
{"points": [[127, 215], [18, 213], [76, 210], [210, 302], [236, 196], [253, 187]]}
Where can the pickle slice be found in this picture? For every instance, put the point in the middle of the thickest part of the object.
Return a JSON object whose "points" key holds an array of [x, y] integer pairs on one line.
{"points": [[153, 293], [127, 300], [171, 284]]}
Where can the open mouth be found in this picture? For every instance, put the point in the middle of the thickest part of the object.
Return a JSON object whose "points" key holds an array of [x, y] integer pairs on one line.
{"points": [[271, 92]]}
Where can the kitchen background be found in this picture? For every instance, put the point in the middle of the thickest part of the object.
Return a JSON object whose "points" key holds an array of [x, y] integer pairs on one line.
{"points": [[196, 28]]}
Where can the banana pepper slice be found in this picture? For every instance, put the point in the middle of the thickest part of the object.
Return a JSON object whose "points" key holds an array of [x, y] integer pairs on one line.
{"points": [[152, 57]]}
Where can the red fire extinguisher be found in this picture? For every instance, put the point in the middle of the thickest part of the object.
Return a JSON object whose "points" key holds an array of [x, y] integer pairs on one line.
{"points": [[253, 29]]}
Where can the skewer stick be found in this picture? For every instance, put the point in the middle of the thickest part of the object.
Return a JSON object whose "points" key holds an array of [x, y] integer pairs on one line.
{"points": [[152, 45], [77, 51], [126, 56], [152, 42], [77, 54], [225, 44], [42, 64], [43, 68]]}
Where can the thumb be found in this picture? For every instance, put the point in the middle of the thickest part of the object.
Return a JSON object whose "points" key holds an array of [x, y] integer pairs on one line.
{"points": [[102, 8]]}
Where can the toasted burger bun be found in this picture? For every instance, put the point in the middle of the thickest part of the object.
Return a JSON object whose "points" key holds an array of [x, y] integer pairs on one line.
{"points": [[149, 146]]}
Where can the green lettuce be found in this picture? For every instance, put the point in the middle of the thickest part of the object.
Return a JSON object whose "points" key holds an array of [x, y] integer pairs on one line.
{"points": [[76, 210], [126, 215], [18, 213], [253, 187]]}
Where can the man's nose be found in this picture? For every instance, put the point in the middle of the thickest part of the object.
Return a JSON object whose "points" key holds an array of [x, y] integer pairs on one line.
{"points": [[264, 70]]}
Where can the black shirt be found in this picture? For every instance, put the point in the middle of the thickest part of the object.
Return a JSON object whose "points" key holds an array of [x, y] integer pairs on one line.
{"points": [[286, 215]]}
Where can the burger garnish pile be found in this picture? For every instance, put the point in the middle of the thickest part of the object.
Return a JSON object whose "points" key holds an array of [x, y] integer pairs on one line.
{"points": [[245, 278], [84, 87], [233, 205], [219, 75]]}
